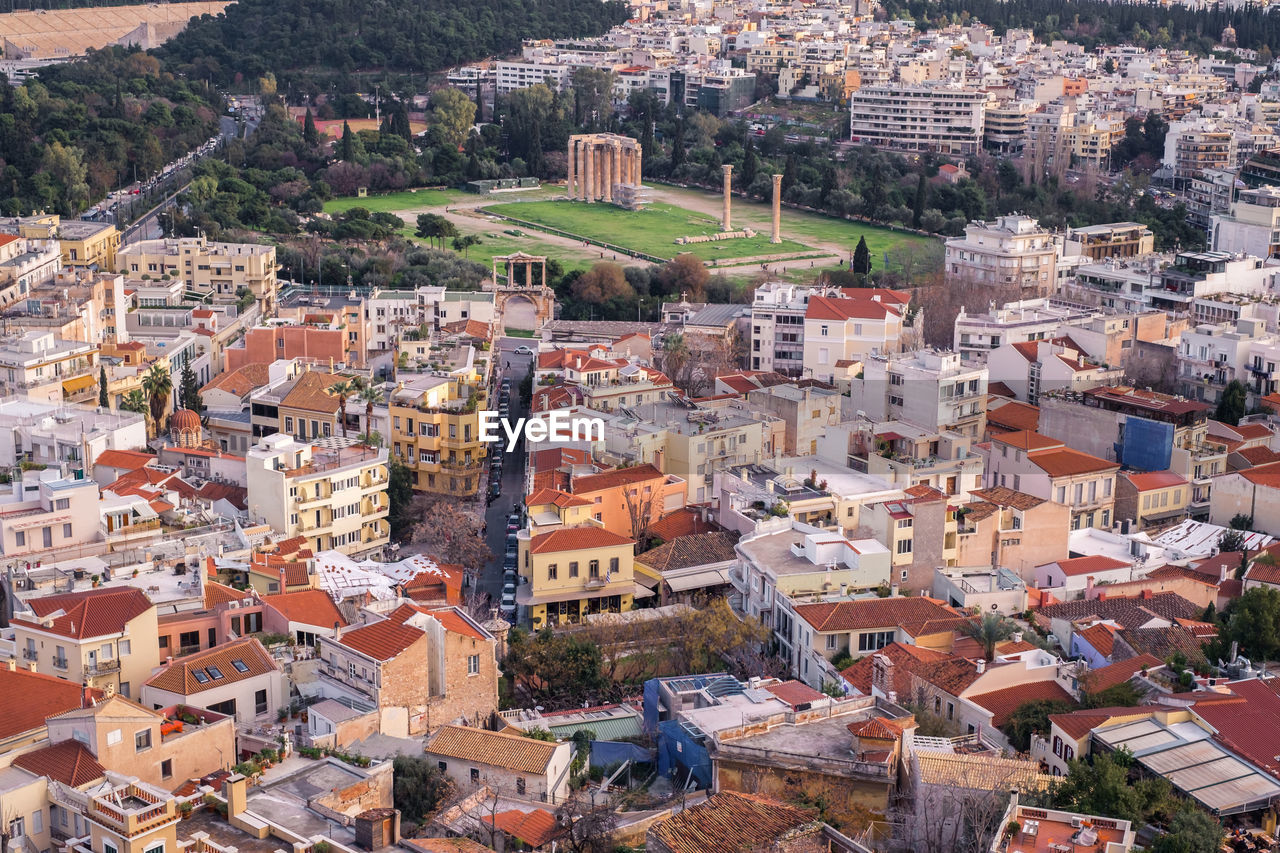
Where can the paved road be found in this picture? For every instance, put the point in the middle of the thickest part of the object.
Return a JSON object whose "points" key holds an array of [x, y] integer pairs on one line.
{"points": [[512, 497]]}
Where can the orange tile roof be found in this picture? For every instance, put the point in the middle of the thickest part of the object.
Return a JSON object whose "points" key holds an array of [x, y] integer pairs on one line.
{"points": [[1101, 637], [829, 308], [1002, 496], [534, 828], [1027, 440], [1264, 475], [127, 460], [794, 692], [729, 822], [445, 845], [241, 381], [576, 539], [382, 640], [1015, 416], [69, 762], [906, 659], [307, 607], [1002, 703], [310, 393], [497, 749], [1078, 724], [453, 621], [1077, 566], [914, 615], [180, 677], [682, 522], [1154, 480], [216, 593], [555, 497], [615, 478], [92, 613], [1065, 462], [28, 698], [880, 728], [1119, 672]]}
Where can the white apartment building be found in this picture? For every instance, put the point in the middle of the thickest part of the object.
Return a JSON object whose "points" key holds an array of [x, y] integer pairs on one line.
{"points": [[523, 73], [51, 434], [1252, 227], [1013, 250], [929, 388], [1198, 274], [1016, 322], [46, 368], [24, 264], [1195, 144], [778, 326], [1210, 356], [839, 330], [390, 313], [334, 494], [928, 116]]}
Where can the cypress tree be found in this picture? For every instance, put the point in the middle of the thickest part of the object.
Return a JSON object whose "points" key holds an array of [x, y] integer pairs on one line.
{"points": [[861, 258], [677, 145], [103, 402], [347, 151], [310, 134], [917, 210]]}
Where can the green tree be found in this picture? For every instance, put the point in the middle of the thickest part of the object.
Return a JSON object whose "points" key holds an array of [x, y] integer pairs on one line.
{"points": [[347, 147], [65, 163], [464, 243], [310, 134], [157, 384], [342, 389], [1031, 718], [452, 114], [861, 263], [1123, 695], [1232, 540], [1107, 788], [750, 163], [550, 668], [189, 389], [399, 497], [371, 395], [677, 145], [990, 630], [917, 209], [419, 787], [103, 401], [1254, 623], [1231, 405], [1239, 521], [1190, 831], [592, 96], [134, 402]]}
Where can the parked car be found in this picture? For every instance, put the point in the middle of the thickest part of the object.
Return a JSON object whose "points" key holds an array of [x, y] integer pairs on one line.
{"points": [[509, 604], [523, 350]]}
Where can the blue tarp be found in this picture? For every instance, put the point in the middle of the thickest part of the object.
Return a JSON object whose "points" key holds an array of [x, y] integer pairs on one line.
{"points": [[606, 753], [1147, 444]]}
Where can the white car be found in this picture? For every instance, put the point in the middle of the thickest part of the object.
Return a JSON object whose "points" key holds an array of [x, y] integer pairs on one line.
{"points": [[523, 350], [508, 602]]}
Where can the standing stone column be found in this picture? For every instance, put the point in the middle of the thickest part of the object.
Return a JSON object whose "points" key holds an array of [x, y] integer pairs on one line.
{"points": [[569, 190], [726, 223], [639, 154], [591, 170], [582, 170], [777, 210], [610, 170]]}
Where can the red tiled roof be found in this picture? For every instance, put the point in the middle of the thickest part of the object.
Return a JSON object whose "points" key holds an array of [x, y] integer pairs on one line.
{"points": [[1256, 456], [576, 539], [180, 677], [730, 822], [880, 728], [1154, 480], [92, 613], [1078, 724], [307, 607], [615, 478], [682, 522], [127, 460], [534, 828], [28, 698], [1000, 389], [1264, 475], [382, 640], [1002, 703], [1118, 673], [1066, 462], [794, 692], [456, 623], [906, 660], [69, 762], [1015, 416], [1248, 726], [556, 497], [1027, 440], [216, 593], [1077, 566], [241, 381], [1101, 637], [828, 308], [914, 615]]}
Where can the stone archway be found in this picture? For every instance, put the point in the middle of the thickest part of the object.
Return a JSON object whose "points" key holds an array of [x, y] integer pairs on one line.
{"points": [[522, 301], [520, 312]]}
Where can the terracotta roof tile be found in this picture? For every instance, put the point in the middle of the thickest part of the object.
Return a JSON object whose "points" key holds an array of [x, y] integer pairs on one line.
{"points": [[1002, 496], [1128, 612], [28, 698], [1027, 440], [1066, 462], [1100, 637], [913, 614], [126, 460], [307, 607], [310, 393], [1164, 643], [1248, 727], [199, 672], [614, 478], [556, 498], [382, 640], [216, 593], [794, 692], [729, 822], [576, 539], [682, 522], [829, 308], [1002, 703], [686, 551], [906, 660], [497, 749], [1014, 417], [534, 828], [69, 762], [1078, 724], [880, 728], [241, 381], [1078, 566], [1102, 678], [92, 613], [1153, 480]]}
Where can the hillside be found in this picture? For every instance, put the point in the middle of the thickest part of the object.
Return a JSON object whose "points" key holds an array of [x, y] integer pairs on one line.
{"points": [[335, 37]]}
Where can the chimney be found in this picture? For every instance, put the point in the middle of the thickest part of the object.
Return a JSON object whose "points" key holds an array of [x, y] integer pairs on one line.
{"points": [[1146, 594], [980, 666], [882, 677], [1016, 637], [337, 630], [31, 666], [11, 664], [234, 788]]}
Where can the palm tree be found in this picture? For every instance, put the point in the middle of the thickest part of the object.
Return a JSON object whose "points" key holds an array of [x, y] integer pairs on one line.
{"points": [[675, 354], [989, 631], [157, 384], [134, 402], [342, 389], [371, 394]]}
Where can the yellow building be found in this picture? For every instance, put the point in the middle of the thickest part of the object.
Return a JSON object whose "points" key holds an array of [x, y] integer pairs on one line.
{"points": [[132, 818], [435, 432], [569, 573], [84, 244], [101, 637], [1152, 499], [335, 497], [209, 270]]}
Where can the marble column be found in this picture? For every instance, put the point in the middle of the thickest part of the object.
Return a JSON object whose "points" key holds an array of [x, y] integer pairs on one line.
{"points": [[582, 170], [777, 210], [569, 190], [726, 223], [610, 167], [591, 171]]}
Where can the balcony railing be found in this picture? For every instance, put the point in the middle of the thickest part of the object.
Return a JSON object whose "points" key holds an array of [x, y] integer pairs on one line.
{"points": [[29, 654], [102, 667]]}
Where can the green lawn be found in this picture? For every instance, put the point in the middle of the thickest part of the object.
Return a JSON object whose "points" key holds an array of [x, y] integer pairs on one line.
{"points": [[392, 202], [494, 242], [653, 230]]}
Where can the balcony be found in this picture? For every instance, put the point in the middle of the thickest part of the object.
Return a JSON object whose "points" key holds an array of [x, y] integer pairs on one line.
{"points": [[102, 667], [60, 663], [597, 582], [29, 654]]}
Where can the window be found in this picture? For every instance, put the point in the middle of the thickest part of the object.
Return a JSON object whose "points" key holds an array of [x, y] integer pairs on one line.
{"points": [[951, 711], [142, 740], [113, 737], [62, 503], [260, 702], [158, 847], [108, 847], [593, 569], [20, 538], [351, 670], [551, 571], [573, 569], [874, 640], [613, 565], [240, 665], [904, 546], [831, 642], [473, 665], [443, 765], [1057, 746], [16, 827], [215, 673], [37, 821], [124, 689], [66, 531], [166, 768], [475, 776], [520, 785], [124, 647]]}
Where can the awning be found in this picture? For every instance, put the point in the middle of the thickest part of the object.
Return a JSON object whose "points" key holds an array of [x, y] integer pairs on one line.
{"points": [[77, 383], [697, 580], [888, 436]]}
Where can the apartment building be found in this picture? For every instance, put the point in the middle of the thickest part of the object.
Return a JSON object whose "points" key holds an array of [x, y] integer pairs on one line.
{"points": [[1195, 145], [85, 245], [777, 327], [1016, 322], [24, 264], [1252, 227], [333, 495], [840, 330], [932, 389], [920, 530], [572, 572], [1151, 500], [625, 501], [1011, 251], [1110, 240], [1011, 530], [44, 368], [435, 431], [1004, 128], [210, 270], [52, 434], [1195, 275], [1048, 469], [77, 305], [43, 513], [1212, 355], [1034, 369], [239, 679], [927, 116], [104, 638]]}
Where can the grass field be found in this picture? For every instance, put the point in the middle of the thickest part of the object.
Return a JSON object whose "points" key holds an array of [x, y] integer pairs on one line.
{"points": [[652, 231], [393, 202]]}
